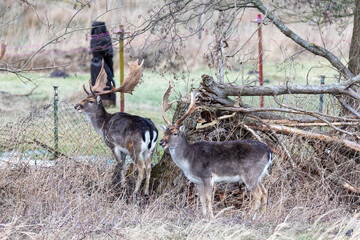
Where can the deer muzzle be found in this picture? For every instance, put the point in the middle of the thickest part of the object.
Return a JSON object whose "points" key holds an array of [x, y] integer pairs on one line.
{"points": [[78, 107], [162, 143]]}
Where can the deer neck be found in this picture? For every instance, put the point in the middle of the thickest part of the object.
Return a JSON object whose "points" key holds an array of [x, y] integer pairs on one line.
{"points": [[181, 154], [98, 119]]}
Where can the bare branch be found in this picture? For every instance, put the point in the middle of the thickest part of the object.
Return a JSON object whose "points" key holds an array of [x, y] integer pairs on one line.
{"points": [[309, 135], [317, 50], [226, 89], [345, 105]]}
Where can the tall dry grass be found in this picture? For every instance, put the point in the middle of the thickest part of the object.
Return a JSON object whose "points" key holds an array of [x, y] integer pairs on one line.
{"points": [[73, 200]]}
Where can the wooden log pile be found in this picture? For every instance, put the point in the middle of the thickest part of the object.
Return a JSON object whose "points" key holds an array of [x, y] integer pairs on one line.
{"points": [[336, 130]]}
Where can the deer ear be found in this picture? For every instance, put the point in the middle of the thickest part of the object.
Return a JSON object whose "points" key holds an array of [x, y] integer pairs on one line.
{"points": [[182, 128], [162, 128], [98, 100]]}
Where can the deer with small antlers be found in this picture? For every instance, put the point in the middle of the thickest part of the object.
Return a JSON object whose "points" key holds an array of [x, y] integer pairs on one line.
{"points": [[123, 133], [207, 162]]}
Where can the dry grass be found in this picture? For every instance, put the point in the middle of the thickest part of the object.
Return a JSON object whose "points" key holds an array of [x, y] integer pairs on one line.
{"points": [[73, 200]]}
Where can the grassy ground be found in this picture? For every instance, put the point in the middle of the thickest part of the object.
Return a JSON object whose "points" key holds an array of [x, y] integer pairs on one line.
{"points": [[146, 99], [71, 200]]}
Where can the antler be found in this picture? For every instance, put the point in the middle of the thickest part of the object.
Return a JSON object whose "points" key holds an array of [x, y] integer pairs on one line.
{"points": [[165, 105], [190, 110], [131, 80], [85, 89]]}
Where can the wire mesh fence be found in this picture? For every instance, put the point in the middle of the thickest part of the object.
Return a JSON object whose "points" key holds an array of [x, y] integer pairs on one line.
{"points": [[34, 137]]}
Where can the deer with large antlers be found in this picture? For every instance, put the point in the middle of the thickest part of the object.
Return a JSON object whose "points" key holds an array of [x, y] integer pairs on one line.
{"points": [[123, 133], [205, 162]]}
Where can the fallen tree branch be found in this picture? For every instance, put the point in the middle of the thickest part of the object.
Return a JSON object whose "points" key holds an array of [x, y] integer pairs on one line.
{"points": [[345, 105], [226, 89], [317, 115], [285, 110], [273, 133], [308, 124], [307, 134]]}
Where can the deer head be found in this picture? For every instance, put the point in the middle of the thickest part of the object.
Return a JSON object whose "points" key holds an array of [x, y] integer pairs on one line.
{"points": [[93, 100], [174, 133]]}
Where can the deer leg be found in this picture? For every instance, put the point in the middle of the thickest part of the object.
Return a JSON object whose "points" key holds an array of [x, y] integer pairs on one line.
{"points": [[208, 195], [148, 172], [120, 166], [263, 198], [124, 168], [140, 167], [257, 201], [201, 189]]}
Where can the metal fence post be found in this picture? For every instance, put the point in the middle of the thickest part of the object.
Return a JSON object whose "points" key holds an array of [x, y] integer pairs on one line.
{"points": [[321, 95], [121, 65], [56, 133]]}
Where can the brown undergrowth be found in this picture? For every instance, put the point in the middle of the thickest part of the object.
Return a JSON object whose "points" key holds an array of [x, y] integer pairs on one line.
{"points": [[73, 200], [73, 197]]}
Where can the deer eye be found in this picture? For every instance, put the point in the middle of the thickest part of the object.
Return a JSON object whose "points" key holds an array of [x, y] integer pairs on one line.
{"points": [[175, 134], [91, 102]]}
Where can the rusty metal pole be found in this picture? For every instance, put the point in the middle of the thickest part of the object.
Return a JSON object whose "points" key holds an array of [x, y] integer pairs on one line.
{"points": [[261, 78], [260, 58], [121, 65], [56, 120]]}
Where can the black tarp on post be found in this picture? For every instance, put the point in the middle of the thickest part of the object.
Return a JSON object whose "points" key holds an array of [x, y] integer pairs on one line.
{"points": [[101, 48]]}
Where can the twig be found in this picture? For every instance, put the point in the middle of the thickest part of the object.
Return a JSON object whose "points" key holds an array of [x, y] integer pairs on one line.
{"points": [[278, 139], [22, 95], [345, 105], [47, 147], [310, 135], [317, 115]]}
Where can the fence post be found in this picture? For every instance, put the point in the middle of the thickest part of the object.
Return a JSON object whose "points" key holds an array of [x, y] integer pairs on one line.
{"points": [[121, 65], [259, 22], [321, 95], [56, 133]]}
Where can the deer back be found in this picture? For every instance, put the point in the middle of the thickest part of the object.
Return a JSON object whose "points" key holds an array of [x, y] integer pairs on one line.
{"points": [[121, 130], [228, 161], [129, 131]]}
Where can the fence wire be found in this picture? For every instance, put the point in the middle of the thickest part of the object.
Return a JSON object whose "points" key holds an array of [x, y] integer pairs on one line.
{"points": [[33, 137]]}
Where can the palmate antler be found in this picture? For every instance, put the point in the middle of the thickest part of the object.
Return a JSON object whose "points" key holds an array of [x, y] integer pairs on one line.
{"points": [[131, 80], [165, 105]]}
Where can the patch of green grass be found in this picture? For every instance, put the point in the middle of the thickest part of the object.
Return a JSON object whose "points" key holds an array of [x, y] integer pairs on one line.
{"points": [[146, 99]]}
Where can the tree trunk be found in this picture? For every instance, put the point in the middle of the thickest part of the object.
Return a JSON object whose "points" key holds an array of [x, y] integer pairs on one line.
{"points": [[354, 56]]}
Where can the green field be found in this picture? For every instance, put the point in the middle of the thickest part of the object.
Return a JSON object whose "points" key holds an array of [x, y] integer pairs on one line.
{"points": [[146, 98]]}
